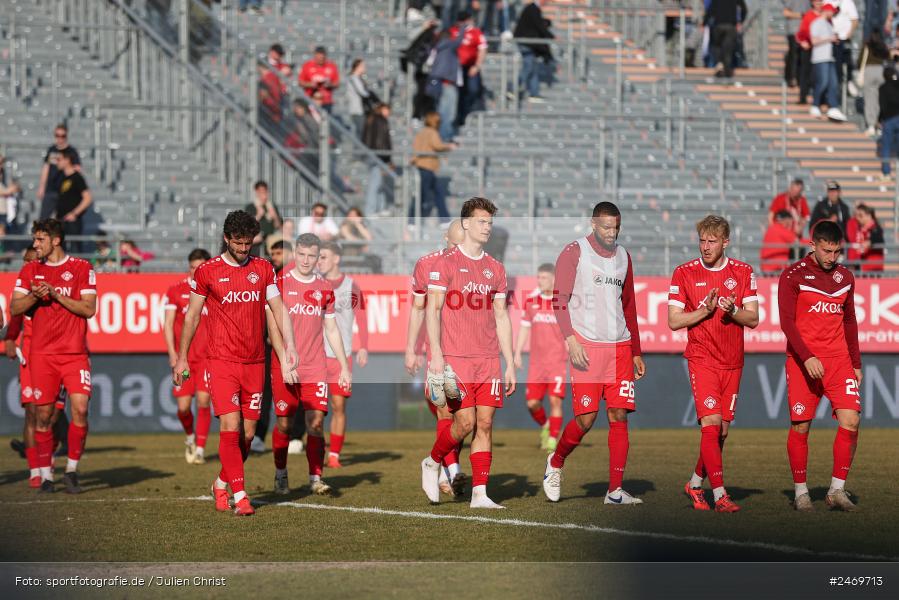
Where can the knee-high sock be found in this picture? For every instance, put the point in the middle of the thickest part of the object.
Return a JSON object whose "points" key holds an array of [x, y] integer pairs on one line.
{"points": [[571, 437], [204, 420], [31, 457], [336, 443], [555, 426], [618, 447], [452, 457], [43, 441], [480, 467], [232, 459], [710, 453], [187, 421], [77, 437], [280, 442], [538, 414], [700, 468], [315, 453], [843, 452], [797, 450], [444, 444]]}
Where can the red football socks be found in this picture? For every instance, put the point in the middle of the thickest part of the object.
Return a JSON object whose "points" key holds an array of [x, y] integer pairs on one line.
{"points": [[204, 420], [797, 450], [445, 444], [43, 441], [555, 426], [31, 457], [710, 454], [843, 451], [700, 468], [452, 457], [187, 421], [77, 437], [336, 443], [480, 467], [315, 453], [232, 461], [538, 414], [571, 437], [280, 442], [618, 447]]}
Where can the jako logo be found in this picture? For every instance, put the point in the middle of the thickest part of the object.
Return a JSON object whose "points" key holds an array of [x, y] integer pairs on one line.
{"points": [[832, 308], [306, 309], [245, 296]]}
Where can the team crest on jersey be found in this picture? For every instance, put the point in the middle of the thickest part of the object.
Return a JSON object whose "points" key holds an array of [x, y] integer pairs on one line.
{"points": [[235, 399], [488, 273], [710, 403], [67, 276], [253, 277], [282, 405], [837, 276], [730, 283], [799, 408], [585, 400], [27, 392], [317, 295]]}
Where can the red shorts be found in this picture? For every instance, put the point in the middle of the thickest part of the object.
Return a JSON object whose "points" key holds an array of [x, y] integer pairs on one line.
{"points": [[480, 381], [236, 387], [838, 384], [714, 390], [609, 375], [194, 384], [334, 375], [311, 393], [49, 372], [26, 392], [546, 379]]}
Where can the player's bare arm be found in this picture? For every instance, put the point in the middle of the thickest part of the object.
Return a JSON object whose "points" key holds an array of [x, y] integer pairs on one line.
{"points": [[504, 337], [22, 302], [168, 331], [288, 372], [191, 322], [746, 315], [678, 318], [412, 360], [276, 306], [85, 307], [639, 367], [332, 334], [523, 334], [436, 299]]}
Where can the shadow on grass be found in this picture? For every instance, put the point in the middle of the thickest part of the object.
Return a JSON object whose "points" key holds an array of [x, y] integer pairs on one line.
{"points": [[13, 477], [504, 486], [338, 483], [93, 481], [102, 449], [370, 457]]}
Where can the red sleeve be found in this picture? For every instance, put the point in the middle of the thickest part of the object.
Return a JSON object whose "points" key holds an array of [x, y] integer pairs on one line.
{"points": [[527, 313], [88, 280], [502, 285], [360, 311], [420, 279], [199, 285], [850, 327], [304, 73], [629, 306], [23, 281], [777, 204], [14, 328], [440, 275], [787, 294], [566, 270], [677, 290], [803, 207]]}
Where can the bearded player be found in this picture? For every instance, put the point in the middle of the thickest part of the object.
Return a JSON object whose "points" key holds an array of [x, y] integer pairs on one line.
{"points": [[468, 325], [235, 287], [349, 308], [817, 315], [177, 300], [310, 306], [548, 365], [452, 479], [597, 313], [59, 292], [714, 297]]}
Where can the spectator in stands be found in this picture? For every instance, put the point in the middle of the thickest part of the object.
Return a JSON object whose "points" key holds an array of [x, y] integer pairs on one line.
{"points": [[803, 37], [279, 253], [132, 256], [845, 22], [865, 236], [874, 57], [320, 75], [426, 145], [353, 230], [471, 53], [287, 234], [531, 24], [445, 79], [254, 5], [831, 207], [51, 174], [827, 87], [272, 90], [360, 99], [103, 260], [319, 223], [888, 96], [792, 13], [265, 211], [9, 200], [778, 243], [726, 22], [794, 203], [302, 135], [376, 135], [74, 197]]}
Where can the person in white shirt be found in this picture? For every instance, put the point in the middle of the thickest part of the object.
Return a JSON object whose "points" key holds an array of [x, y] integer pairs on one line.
{"points": [[823, 37], [844, 23], [319, 223]]}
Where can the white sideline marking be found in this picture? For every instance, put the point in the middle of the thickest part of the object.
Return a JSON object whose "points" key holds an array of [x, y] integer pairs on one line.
{"points": [[698, 539]]}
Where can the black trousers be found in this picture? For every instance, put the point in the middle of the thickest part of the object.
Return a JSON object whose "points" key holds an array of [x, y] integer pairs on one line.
{"points": [[791, 60], [842, 54], [806, 80], [725, 39]]}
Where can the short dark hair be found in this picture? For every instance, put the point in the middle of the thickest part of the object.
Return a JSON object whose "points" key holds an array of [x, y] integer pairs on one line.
{"points": [[827, 231], [798, 181], [282, 245], [477, 203], [320, 50], [333, 246], [277, 48], [606, 209], [198, 254], [260, 184], [51, 227], [783, 214], [320, 205], [62, 126], [240, 224], [69, 154], [307, 240], [547, 268]]}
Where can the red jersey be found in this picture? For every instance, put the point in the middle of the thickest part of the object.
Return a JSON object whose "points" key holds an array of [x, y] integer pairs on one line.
{"points": [[19, 324], [798, 208], [319, 74], [308, 302], [547, 344], [716, 341], [177, 298], [71, 277], [420, 277], [775, 252], [817, 312], [472, 42], [468, 327], [803, 34], [236, 296]]}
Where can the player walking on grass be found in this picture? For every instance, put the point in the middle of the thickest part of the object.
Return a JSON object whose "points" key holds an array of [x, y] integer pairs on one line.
{"points": [[597, 314], [468, 325], [817, 315], [59, 292], [310, 306], [349, 307], [452, 479], [235, 287], [548, 365], [714, 297]]}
